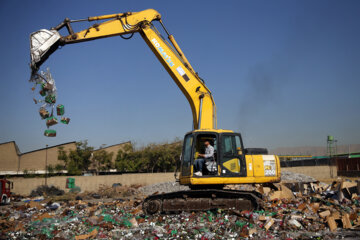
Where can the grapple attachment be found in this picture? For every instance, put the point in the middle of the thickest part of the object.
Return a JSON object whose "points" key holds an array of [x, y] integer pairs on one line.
{"points": [[42, 44]]}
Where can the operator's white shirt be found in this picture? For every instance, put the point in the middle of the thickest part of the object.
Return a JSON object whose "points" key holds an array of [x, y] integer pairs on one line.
{"points": [[209, 151]]}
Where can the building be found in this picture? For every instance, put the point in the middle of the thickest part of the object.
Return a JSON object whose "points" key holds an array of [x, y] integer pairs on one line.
{"points": [[34, 161], [9, 158], [348, 164], [13, 162]]}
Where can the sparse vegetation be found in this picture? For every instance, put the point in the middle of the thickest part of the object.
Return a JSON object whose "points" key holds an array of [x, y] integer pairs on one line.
{"points": [[29, 173], [50, 170], [102, 160], [152, 158], [78, 160]]}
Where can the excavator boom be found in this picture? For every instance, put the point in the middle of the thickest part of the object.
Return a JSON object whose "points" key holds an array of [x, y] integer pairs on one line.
{"points": [[45, 42]]}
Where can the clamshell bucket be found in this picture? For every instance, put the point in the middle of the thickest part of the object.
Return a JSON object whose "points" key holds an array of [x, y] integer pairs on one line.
{"points": [[42, 44]]}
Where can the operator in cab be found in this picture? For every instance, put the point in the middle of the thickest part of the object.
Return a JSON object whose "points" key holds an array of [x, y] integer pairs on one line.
{"points": [[200, 162]]}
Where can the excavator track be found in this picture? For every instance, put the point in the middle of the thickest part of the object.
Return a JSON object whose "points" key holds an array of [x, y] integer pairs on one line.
{"points": [[202, 200]]}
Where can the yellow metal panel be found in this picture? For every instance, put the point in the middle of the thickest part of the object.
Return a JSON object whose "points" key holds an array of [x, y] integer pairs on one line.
{"points": [[213, 130], [278, 167], [231, 180], [249, 166], [258, 165]]}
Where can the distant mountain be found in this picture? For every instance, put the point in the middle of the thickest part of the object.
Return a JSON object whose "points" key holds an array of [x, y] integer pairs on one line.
{"points": [[314, 151]]}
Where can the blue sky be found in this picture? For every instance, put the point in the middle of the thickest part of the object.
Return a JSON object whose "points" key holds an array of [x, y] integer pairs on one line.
{"points": [[283, 73]]}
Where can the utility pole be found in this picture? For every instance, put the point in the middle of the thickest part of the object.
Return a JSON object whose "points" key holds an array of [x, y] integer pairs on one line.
{"points": [[46, 165]]}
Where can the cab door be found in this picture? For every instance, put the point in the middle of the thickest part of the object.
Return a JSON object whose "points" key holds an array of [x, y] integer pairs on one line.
{"points": [[231, 156], [187, 155]]}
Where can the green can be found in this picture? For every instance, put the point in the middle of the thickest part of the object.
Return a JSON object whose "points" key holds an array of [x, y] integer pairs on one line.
{"points": [[60, 110], [42, 92], [50, 98], [70, 183], [50, 133]]}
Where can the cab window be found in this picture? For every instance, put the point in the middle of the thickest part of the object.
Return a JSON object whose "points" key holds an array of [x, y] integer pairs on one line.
{"points": [[187, 148], [228, 146]]}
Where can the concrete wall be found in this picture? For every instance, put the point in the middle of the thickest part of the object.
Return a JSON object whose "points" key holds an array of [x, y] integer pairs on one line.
{"points": [[317, 172], [9, 158], [35, 160], [24, 186]]}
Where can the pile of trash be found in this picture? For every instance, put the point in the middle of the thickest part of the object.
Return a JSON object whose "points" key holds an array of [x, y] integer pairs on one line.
{"points": [[311, 207], [45, 190], [290, 211], [49, 93]]}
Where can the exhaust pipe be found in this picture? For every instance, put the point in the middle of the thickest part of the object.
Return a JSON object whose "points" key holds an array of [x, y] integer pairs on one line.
{"points": [[42, 44]]}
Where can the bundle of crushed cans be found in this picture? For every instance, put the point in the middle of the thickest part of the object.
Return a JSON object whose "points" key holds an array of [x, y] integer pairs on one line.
{"points": [[49, 94]]}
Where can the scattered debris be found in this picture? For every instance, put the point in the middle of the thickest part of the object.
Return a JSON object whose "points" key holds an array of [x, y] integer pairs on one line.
{"points": [[311, 212]]}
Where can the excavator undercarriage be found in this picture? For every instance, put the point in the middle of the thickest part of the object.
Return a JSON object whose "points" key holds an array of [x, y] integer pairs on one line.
{"points": [[202, 200]]}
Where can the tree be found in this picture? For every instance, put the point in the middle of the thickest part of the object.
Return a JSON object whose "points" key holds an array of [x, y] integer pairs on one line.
{"points": [[59, 167], [78, 160], [151, 158], [127, 159], [62, 155], [102, 160]]}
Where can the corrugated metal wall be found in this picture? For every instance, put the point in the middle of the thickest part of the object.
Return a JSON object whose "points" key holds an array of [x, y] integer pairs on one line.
{"points": [[349, 167]]}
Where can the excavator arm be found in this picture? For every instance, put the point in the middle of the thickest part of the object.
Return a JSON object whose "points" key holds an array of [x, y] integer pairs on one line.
{"points": [[44, 42]]}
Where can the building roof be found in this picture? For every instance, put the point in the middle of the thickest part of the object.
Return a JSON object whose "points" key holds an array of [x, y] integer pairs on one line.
{"points": [[16, 146], [40, 149], [348, 154], [113, 145]]}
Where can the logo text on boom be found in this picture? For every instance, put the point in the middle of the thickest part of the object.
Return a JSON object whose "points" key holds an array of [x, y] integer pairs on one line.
{"points": [[162, 52]]}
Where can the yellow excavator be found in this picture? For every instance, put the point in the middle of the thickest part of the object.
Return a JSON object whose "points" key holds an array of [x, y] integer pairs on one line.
{"points": [[230, 163]]}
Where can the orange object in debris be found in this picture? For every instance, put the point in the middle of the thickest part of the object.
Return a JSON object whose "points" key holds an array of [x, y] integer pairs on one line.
{"points": [[331, 223], [91, 235]]}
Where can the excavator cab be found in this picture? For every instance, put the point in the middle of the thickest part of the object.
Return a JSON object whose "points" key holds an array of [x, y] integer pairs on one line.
{"points": [[231, 164], [210, 165], [228, 160]]}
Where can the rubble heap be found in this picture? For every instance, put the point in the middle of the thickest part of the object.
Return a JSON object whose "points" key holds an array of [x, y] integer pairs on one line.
{"points": [[295, 177], [290, 211]]}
